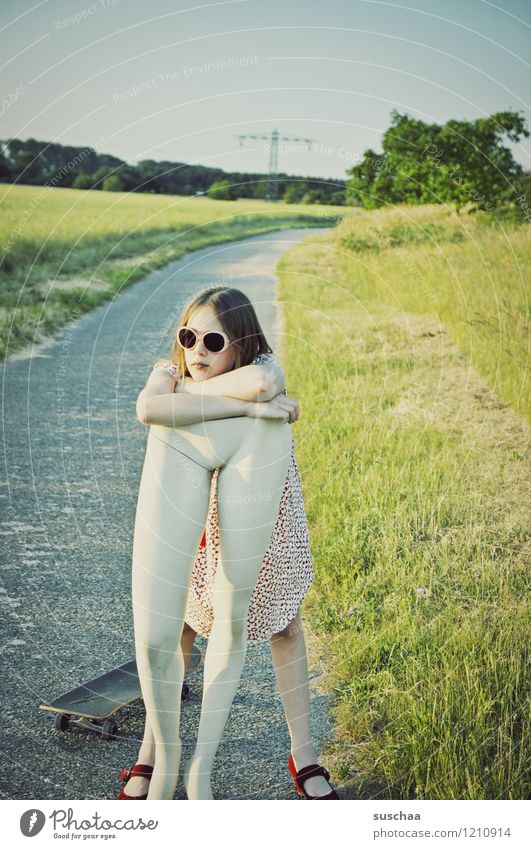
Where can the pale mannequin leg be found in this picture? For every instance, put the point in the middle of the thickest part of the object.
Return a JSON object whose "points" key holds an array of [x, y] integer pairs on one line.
{"points": [[138, 785], [172, 507], [288, 651], [244, 489]]}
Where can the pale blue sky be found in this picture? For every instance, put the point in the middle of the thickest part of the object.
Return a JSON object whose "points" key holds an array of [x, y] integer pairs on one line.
{"points": [[204, 72]]}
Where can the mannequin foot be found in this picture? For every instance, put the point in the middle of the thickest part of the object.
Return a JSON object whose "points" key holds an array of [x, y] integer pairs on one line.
{"points": [[139, 786], [196, 782]]}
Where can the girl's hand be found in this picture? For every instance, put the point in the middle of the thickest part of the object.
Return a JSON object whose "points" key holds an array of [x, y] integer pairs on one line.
{"points": [[281, 407]]}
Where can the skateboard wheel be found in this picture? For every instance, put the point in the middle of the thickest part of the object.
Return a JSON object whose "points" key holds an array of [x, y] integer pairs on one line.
{"points": [[109, 729], [62, 722]]}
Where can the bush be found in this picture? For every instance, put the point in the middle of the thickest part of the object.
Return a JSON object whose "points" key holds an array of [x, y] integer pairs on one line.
{"points": [[222, 190], [313, 196], [83, 181], [113, 183], [337, 198]]}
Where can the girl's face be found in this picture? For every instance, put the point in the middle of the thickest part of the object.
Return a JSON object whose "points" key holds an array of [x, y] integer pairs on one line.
{"points": [[203, 320]]}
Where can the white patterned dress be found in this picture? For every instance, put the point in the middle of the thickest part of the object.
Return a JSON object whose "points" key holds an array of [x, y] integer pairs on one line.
{"points": [[287, 569]]}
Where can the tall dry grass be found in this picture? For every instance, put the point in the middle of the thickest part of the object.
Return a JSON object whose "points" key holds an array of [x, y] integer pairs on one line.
{"points": [[416, 482]]}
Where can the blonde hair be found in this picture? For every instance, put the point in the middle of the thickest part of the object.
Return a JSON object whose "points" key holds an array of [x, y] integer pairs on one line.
{"points": [[238, 319]]}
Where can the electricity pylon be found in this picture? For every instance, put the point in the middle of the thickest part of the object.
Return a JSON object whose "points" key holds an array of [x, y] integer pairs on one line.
{"points": [[273, 139]]}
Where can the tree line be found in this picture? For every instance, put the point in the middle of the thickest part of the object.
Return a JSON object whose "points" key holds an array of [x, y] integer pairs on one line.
{"points": [[40, 163], [465, 163]]}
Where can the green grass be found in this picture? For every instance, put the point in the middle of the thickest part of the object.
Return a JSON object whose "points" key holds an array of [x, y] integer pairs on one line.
{"points": [[66, 249], [465, 270], [406, 346], [415, 477]]}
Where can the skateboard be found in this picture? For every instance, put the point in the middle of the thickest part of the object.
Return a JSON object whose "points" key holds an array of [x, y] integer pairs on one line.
{"points": [[92, 705]]}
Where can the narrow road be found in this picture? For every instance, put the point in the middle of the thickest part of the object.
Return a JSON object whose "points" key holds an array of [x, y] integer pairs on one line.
{"points": [[73, 453]]}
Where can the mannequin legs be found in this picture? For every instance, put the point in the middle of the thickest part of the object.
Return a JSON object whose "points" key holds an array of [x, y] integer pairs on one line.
{"points": [[288, 652], [253, 455]]}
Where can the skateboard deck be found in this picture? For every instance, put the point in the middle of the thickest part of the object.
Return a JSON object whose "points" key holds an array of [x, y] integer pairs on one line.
{"points": [[93, 704]]}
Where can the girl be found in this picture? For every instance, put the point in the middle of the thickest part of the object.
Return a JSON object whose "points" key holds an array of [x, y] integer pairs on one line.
{"points": [[286, 570]]}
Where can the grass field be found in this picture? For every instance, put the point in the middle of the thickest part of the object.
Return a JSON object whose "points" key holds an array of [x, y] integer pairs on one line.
{"points": [[66, 249], [399, 327], [406, 344]]}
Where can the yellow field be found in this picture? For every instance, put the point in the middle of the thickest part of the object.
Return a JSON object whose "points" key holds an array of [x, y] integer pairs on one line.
{"points": [[70, 214], [65, 248]]}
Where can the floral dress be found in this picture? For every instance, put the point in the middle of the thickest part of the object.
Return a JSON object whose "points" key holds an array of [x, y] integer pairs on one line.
{"points": [[287, 569]]}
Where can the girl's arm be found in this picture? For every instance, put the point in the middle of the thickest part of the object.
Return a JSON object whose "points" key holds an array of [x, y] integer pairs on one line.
{"points": [[256, 382], [161, 402]]}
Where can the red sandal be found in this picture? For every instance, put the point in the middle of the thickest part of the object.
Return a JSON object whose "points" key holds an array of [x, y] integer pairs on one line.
{"points": [[142, 770], [309, 772]]}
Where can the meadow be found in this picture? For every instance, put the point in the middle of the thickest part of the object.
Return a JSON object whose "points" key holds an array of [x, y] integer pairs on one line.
{"points": [[405, 344], [66, 249]]}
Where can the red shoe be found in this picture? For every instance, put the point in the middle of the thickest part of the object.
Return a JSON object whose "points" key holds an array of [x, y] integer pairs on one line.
{"points": [[141, 770], [309, 772]]}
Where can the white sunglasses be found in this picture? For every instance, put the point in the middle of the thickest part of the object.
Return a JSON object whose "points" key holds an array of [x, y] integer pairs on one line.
{"points": [[214, 341]]}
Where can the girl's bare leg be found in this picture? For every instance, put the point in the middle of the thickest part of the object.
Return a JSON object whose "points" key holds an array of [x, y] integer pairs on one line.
{"points": [[248, 502], [288, 650], [172, 507]]}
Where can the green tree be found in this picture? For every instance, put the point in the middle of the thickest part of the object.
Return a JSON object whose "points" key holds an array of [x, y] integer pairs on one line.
{"points": [[295, 192], [337, 199], [113, 183], [5, 171], [222, 190], [100, 174], [260, 189], [83, 181], [313, 196], [459, 162]]}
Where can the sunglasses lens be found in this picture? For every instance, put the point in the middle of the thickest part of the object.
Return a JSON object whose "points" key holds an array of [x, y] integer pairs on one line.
{"points": [[187, 337], [214, 342]]}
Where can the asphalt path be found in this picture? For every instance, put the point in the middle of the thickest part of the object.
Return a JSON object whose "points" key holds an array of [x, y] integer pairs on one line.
{"points": [[73, 453]]}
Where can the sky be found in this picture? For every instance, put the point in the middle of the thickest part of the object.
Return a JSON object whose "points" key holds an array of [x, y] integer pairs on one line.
{"points": [[180, 80]]}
